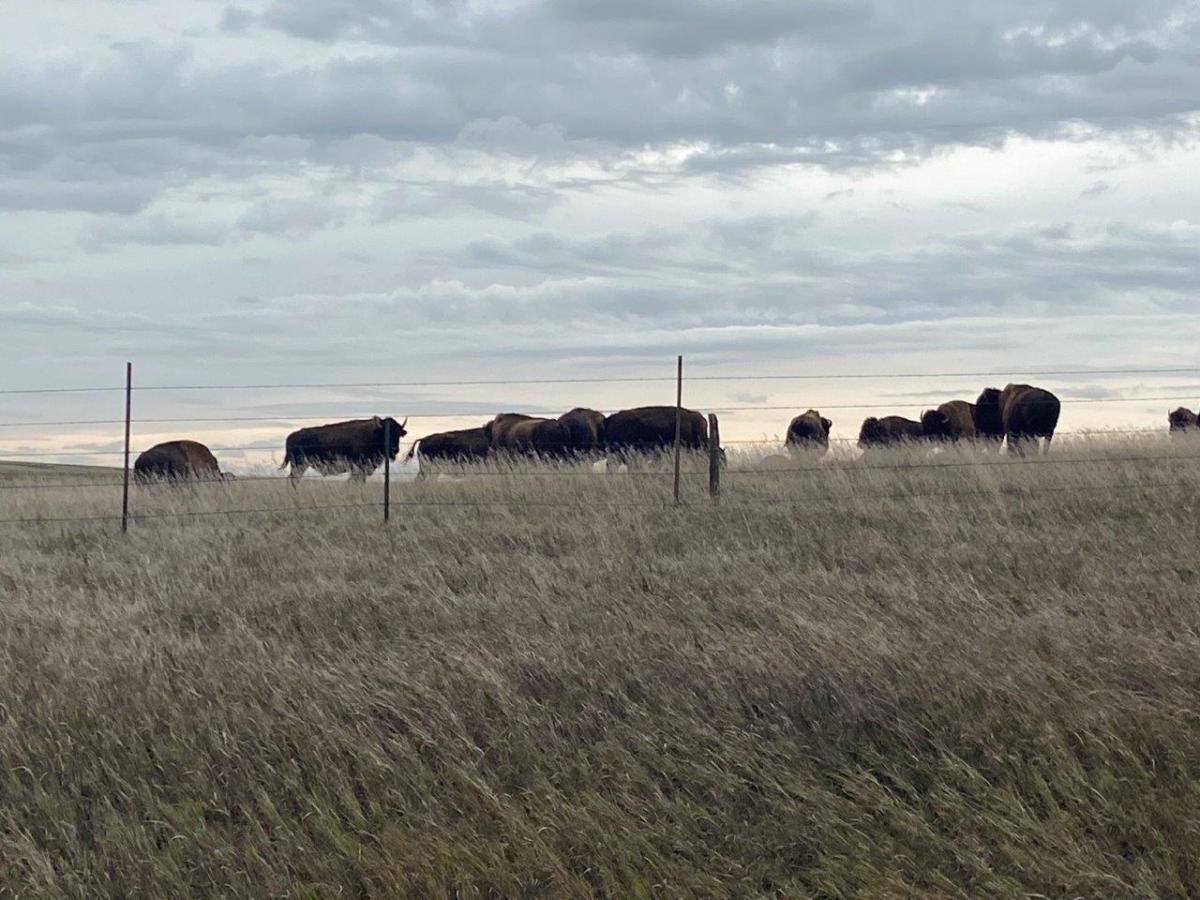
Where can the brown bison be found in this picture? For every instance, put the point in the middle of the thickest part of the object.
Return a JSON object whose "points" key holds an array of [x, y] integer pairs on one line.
{"points": [[808, 432], [356, 447], [1182, 419], [890, 431], [514, 433], [177, 461], [1021, 413], [952, 421], [586, 431], [461, 446], [651, 429]]}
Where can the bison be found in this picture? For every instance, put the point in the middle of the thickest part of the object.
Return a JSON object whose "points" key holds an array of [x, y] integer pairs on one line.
{"points": [[1021, 413], [356, 447], [177, 461], [1182, 420], [890, 431], [514, 433], [952, 421], [585, 428], [651, 429], [808, 433], [461, 446]]}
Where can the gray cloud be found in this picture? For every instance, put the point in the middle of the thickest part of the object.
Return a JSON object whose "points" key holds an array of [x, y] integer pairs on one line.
{"points": [[757, 83], [360, 186], [152, 230]]}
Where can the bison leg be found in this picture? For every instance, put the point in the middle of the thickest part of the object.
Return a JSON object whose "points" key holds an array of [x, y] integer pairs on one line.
{"points": [[298, 470], [1018, 445]]}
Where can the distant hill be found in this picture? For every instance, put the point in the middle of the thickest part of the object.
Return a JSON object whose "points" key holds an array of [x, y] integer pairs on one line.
{"points": [[12, 470]]}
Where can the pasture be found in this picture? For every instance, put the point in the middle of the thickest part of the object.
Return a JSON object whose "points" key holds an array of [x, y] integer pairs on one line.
{"points": [[958, 675]]}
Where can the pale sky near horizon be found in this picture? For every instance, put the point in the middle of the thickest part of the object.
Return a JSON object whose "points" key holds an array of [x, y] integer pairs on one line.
{"points": [[281, 191]]}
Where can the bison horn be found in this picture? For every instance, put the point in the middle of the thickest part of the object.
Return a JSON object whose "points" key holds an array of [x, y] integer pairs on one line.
{"points": [[405, 422]]}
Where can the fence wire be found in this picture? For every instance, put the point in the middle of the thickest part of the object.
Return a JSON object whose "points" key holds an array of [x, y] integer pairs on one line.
{"points": [[452, 469], [1060, 372], [488, 414], [459, 471], [664, 505]]}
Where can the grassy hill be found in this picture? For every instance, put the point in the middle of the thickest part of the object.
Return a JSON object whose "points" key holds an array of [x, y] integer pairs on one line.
{"points": [[977, 679], [11, 470]]}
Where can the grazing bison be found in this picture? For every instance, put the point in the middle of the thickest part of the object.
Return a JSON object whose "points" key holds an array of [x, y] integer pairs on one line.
{"points": [[808, 433], [356, 447], [458, 447], [989, 422], [1182, 419], [651, 429], [1020, 412], [585, 428], [514, 433], [952, 421], [177, 461], [890, 431]]}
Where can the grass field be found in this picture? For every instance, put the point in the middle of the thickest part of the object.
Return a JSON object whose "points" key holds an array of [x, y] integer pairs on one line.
{"points": [[978, 678]]}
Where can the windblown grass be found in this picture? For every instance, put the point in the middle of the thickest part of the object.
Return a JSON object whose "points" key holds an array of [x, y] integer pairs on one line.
{"points": [[978, 679]]}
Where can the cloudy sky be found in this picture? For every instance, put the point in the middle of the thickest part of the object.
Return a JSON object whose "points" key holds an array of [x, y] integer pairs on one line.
{"points": [[369, 191]]}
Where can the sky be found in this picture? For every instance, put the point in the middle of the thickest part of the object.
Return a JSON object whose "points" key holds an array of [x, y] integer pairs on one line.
{"points": [[360, 191]]}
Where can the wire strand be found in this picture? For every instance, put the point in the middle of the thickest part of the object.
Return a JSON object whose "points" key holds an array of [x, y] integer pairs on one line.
{"points": [[848, 466], [489, 414], [1018, 373], [665, 505], [81, 452]]}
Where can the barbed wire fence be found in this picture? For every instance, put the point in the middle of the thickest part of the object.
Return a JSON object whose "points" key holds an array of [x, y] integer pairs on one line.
{"points": [[123, 455]]}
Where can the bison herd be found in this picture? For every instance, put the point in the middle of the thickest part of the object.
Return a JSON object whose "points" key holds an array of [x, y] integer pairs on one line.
{"points": [[1020, 415], [578, 434]]}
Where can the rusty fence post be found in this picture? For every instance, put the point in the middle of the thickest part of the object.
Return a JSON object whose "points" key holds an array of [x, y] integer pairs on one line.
{"points": [[125, 479], [714, 457], [678, 420]]}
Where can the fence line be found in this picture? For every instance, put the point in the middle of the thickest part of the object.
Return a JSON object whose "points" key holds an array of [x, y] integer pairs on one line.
{"points": [[36, 520], [423, 412], [625, 379], [664, 505], [79, 451], [850, 467], [488, 414]]}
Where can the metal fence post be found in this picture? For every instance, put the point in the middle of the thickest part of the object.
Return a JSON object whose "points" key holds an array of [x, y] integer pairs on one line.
{"points": [[678, 420], [387, 468], [714, 457], [125, 479]]}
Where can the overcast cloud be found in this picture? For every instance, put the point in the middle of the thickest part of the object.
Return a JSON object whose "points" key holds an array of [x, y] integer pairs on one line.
{"points": [[358, 190]]}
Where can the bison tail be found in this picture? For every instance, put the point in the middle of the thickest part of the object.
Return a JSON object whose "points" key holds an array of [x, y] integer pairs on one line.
{"points": [[412, 451]]}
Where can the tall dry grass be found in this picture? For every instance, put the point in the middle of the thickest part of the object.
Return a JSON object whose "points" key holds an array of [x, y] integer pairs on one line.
{"points": [[978, 679]]}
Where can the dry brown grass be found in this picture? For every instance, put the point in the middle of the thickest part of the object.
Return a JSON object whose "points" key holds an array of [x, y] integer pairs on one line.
{"points": [[963, 681]]}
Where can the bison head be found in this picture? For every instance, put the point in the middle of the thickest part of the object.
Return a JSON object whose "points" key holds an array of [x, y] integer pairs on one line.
{"points": [[395, 431], [935, 424], [988, 421], [1182, 419], [869, 433], [809, 430]]}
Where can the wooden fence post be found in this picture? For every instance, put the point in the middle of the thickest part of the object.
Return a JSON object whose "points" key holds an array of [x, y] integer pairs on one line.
{"points": [[714, 457], [387, 468], [678, 420], [125, 480]]}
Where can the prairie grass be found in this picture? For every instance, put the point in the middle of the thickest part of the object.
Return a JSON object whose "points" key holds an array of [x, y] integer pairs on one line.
{"points": [[901, 676]]}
